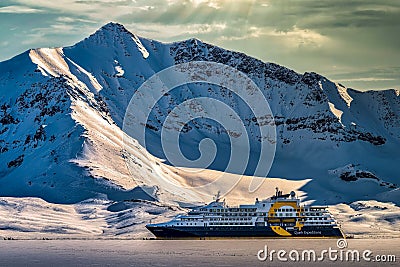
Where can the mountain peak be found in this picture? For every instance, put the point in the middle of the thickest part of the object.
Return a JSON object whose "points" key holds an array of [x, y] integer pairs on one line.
{"points": [[114, 26], [111, 30], [115, 36]]}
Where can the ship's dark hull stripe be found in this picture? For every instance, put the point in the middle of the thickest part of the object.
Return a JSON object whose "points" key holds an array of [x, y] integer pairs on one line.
{"points": [[249, 231]]}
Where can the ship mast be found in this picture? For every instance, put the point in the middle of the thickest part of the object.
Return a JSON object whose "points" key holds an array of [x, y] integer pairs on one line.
{"points": [[217, 196]]}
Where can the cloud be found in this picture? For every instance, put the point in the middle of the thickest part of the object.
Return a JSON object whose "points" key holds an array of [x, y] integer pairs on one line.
{"points": [[333, 17], [171, 32], [366, 79], [210, 3], [295, 37], [19, 10], [306, 35], [56, 34], [74, 20], [99, 9], [252, 32], [299, 37]]}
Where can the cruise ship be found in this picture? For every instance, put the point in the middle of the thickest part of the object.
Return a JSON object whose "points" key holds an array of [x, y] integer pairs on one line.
{"points": [[281, 215]]}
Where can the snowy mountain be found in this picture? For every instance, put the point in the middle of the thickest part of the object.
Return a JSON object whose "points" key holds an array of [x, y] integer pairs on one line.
{"points": [[62, 112]]}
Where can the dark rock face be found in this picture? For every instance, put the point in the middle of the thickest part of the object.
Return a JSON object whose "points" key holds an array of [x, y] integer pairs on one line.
{"points": [[16, 162], [319, 120], [348, 176]]}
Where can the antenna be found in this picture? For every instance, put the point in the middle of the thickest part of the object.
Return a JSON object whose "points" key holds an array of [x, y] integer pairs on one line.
{"points": [[217, 196]]}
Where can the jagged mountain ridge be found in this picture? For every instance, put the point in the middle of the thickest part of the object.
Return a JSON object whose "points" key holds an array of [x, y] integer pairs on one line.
{"points": [[321, 125]]}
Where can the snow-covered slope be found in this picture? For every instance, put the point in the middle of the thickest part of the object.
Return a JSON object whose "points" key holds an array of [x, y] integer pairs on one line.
{"points": [[62, 112], [33, 218]]}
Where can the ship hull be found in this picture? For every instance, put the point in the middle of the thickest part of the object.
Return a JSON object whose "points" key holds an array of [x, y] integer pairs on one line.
{"points": [[248, 231]]}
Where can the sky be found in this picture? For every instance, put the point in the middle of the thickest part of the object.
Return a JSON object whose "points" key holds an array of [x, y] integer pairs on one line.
{"points": [[356, 43]]}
